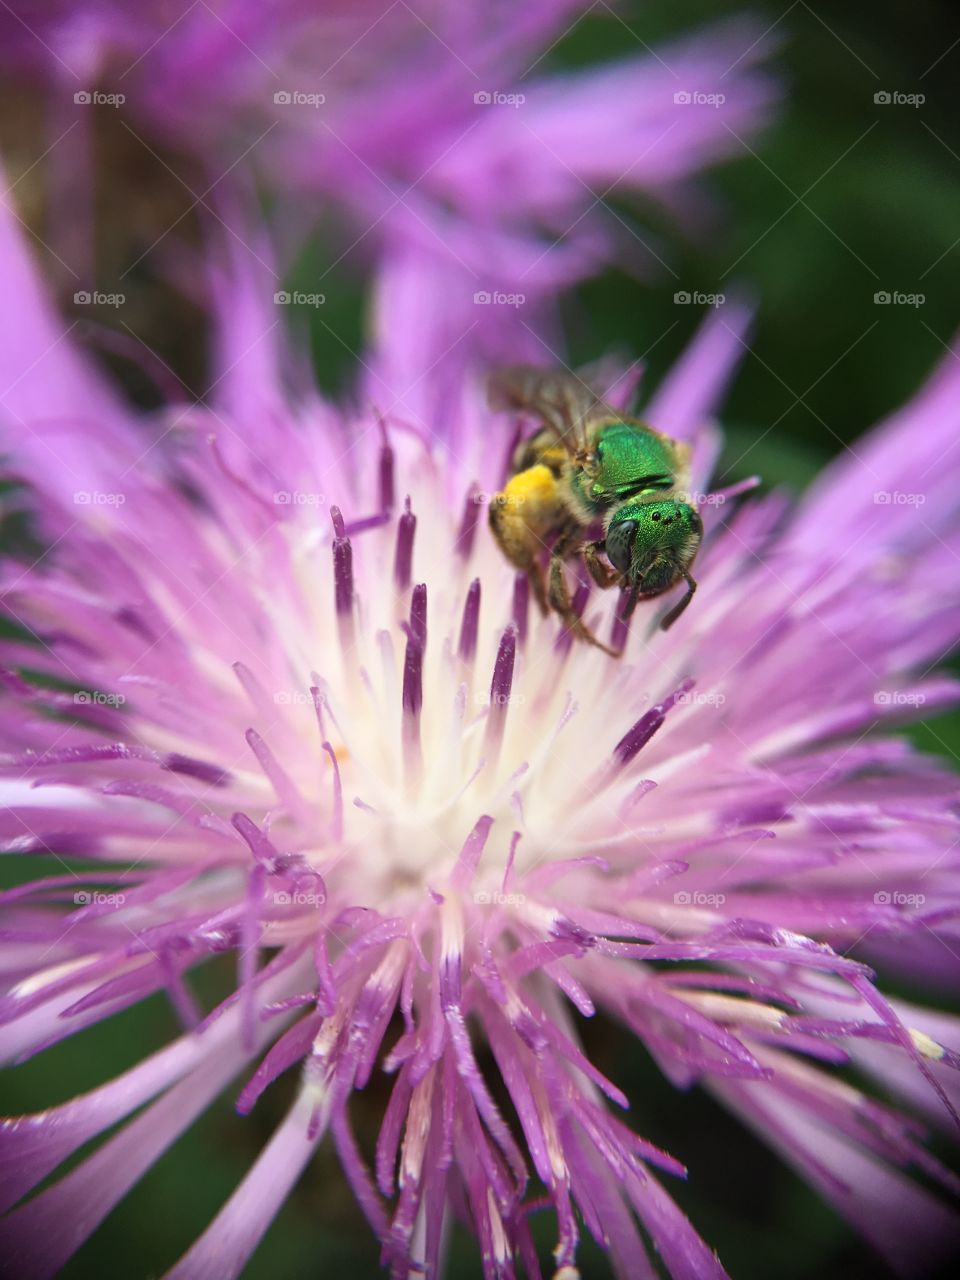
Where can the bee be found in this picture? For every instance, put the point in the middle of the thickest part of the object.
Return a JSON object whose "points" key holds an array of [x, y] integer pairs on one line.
{"points": [[589, 467]]}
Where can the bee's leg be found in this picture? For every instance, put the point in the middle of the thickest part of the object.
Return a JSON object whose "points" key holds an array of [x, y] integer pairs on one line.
{"points": [[603, 574], [676, 611], [560, 595]]}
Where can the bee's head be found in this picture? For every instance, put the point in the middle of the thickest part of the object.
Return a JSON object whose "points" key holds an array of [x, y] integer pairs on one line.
{"points": [[653, 544]]}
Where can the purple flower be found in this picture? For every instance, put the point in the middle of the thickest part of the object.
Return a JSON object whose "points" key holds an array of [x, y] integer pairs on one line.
{"points": [[442, 130], [297, 708]]}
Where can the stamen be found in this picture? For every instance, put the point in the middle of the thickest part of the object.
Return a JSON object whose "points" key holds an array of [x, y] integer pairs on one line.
{"points": [[471, 853], [342, 565], [418, 615], [468, 524], [500, 688], [386, 475], [640, 734], [403, 558], [199, 769], [337, 823], [467, 647], [342, 579], [259, 844], [277, 776], [412, 704]]}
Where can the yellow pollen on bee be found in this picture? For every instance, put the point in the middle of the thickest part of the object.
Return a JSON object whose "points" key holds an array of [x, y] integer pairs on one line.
{"points": [[535, 485]]}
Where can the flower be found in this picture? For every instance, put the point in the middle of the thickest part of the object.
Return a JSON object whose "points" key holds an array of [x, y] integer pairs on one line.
{"points": [[442, 131], [277, 690]]}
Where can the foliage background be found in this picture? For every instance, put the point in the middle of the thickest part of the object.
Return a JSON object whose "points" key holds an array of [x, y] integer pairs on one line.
{"points": [[841, 198]]}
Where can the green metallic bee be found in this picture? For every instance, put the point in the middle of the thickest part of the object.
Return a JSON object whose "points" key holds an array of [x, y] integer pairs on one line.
{"points": [[589, 466]]}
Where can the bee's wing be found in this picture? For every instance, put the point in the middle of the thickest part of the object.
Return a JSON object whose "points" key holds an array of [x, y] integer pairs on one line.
{"points": [[565, 403]]}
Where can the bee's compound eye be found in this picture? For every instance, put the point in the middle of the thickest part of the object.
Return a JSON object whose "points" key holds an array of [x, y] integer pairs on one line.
{"points": [[696, 524], [619, 544]]}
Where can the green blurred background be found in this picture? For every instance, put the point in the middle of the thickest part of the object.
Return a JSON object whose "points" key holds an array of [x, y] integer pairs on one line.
{"points": [[840, 199]]}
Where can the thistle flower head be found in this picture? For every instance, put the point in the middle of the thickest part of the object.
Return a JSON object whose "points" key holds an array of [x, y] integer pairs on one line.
{"points": [[294, 705]]}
